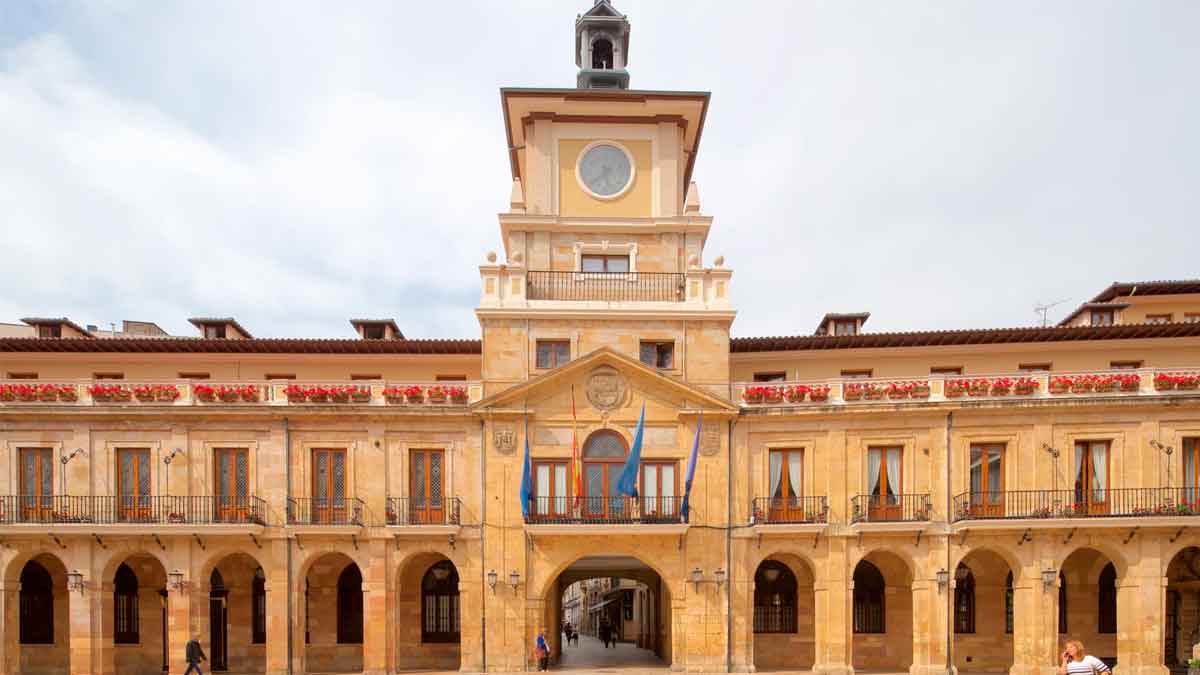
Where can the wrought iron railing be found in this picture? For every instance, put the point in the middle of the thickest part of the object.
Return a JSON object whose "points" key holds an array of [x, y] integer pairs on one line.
{"points": [[775, 618], [107, 509], [604, 510], [410, 511], [1123, 502], [890, 508], [610, 286], [324, 511], [773, 510]]}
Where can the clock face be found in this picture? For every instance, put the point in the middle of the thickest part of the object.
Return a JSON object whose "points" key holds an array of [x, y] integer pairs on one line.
{"points": [[605, 170]]}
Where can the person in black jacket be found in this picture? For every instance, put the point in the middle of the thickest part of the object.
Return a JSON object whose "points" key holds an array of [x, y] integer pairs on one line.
{"points": [[194, 655]]}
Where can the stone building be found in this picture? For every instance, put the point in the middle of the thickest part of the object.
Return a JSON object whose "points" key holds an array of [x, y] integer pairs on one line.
{"points": [[921, 501]]}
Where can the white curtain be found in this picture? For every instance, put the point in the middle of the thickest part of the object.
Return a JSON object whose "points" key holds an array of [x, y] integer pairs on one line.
{"points": [[976, 475], [776, 473], [1189, 472], [873, 473], [1099, 472], [893, 474], [794, 480], [1079, 449]]}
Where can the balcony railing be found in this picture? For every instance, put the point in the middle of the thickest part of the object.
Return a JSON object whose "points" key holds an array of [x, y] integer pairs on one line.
{"points": [[604, 510], [1122, 502], [156, 510], [776, 510], [608, 286], [324, 511], [890, 508], [406, 511]]}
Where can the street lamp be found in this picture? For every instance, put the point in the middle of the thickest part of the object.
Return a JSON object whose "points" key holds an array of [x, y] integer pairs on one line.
{"points": [[75, 582], [514, 580], [492, 578], [719, 576], [943, 579], [175, 580], [1049, 576], [697, 577], [1166, 450]]}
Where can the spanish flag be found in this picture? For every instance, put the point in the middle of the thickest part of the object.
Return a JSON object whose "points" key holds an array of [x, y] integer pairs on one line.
{"points": [[576, 468]]}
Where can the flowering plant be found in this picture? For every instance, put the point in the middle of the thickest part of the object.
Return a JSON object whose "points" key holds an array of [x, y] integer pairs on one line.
{"points": [[754, 394], [204, 392], [19, 392], [361, 394], [231, 393], [1105, 382], [156, 392], [795, 393], [956, 387], [854, 391], [819, 392], [899, 389], [1129, 381], [1025, 385], [920, 389], [109, 392], [1176, 381], [979, 387], [457, 394], [414, 393], [437, 393], [1001, 386], [1061, 384], [295, 393]]}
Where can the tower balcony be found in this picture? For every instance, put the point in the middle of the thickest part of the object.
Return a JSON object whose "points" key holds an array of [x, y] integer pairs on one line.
{"points": [[611, 287], [517, 288]]}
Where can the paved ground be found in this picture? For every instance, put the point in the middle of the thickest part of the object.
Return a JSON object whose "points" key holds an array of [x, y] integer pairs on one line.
{"points": [[591, 656]]}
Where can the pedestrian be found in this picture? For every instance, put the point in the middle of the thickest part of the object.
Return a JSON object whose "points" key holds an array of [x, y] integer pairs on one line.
{"points": [[541, 650], [194, 655], [605, 632], [1075, 661]]}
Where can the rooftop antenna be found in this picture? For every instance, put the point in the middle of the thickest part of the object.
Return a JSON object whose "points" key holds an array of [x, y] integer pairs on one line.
{"points": [[1043, 309]]}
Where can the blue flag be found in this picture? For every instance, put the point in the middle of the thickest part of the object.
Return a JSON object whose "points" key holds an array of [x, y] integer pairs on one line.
{"points": [[526, 477], [627, 485], [686, 508]]}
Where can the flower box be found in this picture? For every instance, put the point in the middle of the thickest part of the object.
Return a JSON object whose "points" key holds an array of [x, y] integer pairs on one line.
{"points": [[818, 394], [437, 394], [26, 393], [1105, 384], [318, 395], [361, 395], [752, 395], [204, 392], [457, 394], [1025, 386], [414, 394], [67, 392], [105, 393], [1082, 385], [229, 394], [1002, 386], [144, 393], [175, 518], [1060, 385], [773, 395], [1129, 382], [873, 394], [795, 394], [920, 390], [47, 393], [339, 396], [1164, 382], [979, 388], [852, 392], [249, 393], [295, 393], [1187, 382], [955, 388]]}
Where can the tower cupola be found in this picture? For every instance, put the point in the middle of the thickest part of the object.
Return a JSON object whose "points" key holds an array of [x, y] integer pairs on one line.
{"points": [[602, 48]]}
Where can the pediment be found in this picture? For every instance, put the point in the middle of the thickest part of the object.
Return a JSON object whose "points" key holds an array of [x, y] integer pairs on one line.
{"points": [[602, 8]]}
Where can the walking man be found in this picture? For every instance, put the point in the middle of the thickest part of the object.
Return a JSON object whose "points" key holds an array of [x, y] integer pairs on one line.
{"points": [[194, 655]]}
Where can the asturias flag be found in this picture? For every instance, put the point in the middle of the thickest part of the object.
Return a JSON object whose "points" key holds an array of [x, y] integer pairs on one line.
{"points": [[686, 508], [576, 469], [526, 477], [627, 485]]}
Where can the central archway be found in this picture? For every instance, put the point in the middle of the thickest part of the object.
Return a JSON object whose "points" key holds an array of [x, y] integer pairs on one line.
{"points": [[882, 620]]}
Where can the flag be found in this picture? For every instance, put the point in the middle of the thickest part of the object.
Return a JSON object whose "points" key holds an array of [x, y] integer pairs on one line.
{"points": [[526, 477], [576, 469], [685, 509], [627, 485]]}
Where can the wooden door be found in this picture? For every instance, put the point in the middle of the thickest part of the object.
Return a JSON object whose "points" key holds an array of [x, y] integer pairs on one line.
{"points": [[233, 484], [658, 491], [603, 460], [550, 490], [426, 487], [37, 484], [784, 470], [133, 484], [987, 480], [886, 502], [329, 486], [1091, 478]]}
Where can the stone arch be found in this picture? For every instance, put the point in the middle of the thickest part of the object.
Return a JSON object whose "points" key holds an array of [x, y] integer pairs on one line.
{"points": [[892, 647], [119, 555], [896, 560], [227, 620], [151, 608], [53, 657], [1173, 550], [1181, 629], [801, 563], [674, 585], [319, 551], [776, 644], [983, 634], [318, 625], [1081, 569], [1105, 549], [413, 651], [216, 556], [1005, 554]]}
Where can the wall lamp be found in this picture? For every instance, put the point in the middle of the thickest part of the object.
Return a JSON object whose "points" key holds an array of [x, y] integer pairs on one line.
{"points": [[492, 578], [943, 579], [1049, 577], [1166, 450], [175, 581], [514, 580], [697, 577], [74, 453], [75, 582]]}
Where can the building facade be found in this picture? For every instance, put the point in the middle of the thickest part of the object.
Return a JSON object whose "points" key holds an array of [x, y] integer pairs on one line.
{"points": [[924, 502]]}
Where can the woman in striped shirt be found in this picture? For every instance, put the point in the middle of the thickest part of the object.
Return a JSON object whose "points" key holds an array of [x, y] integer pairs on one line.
{"points": [[1076, 662]]}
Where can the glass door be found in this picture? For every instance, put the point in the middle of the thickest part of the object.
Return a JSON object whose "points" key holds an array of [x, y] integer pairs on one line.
{"points": [[987, 480], [37, 484], [884, 478], [133, 484], [1091, 477], [550, 485], [233, 482], [426, 490], [784, 468], [329, 486], [658, 491]]}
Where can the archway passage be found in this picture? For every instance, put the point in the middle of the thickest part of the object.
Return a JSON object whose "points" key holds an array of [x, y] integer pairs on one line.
{"points": [[333, 615], [42, 616], [1088, 603], [136, 615], [617, 597], [428, 615], [983, 613], [882, 614], [1181, 632], [237, 615], [784, 607]]}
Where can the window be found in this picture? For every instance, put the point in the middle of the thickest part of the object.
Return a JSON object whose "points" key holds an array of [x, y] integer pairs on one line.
{"points": [[359, 377], [611, 264], [350, 606], [844, 327], [1159, 318], [439, 604], [193, 376], [451, 378], [1008, 604], [964, 600], [553, 353], [868, 599], [946, 370], [771, 376], [258, 608], [1191, 468], [1062, 604], [133, 484], [987, 479], [658, 354], [22, 376], [550, 488], [108, 376], [214, 331], [36, 605], [774, 598], [232, 469], [785, 476], [603, 460], [1102, 317], [1191, 317], [374, 331], [1107, 599], [125, 606], [50, 331], [857, 374], [37, 483], [1124, 365], [884, 480], [427, 504], [329, 485], [1091, 477], [1033, 367], [659, 489], [280, 376]]}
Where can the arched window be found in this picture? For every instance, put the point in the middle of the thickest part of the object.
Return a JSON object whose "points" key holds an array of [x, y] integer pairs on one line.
{"points": [[774, 598], [603, 460], [1062, 604], [125, 606], [37, 605], [964, 600], [258, 608], [439, 604], [350, 606], [604, 444], [1107, 610], [868, 599], [602, 54], [1008, 603]]}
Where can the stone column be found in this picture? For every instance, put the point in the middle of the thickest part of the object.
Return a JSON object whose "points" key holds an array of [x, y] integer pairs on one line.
{"points": [[277, 620], [82, 631], [929, 620], [833, 595], [179, 625], [471, 598], [10, 649], [1035, 623], [742, 588], [1141, 616], [679, 634], [104, 641], [375, 615]]}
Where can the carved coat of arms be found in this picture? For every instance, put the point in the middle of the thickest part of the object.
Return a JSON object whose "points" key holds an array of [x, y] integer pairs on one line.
{"points": [[606, 388], [504, 437]]}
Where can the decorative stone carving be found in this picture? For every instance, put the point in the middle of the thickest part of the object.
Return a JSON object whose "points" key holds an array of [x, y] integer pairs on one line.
{"points": [[710, 439], [606, 388], [504, 438]]}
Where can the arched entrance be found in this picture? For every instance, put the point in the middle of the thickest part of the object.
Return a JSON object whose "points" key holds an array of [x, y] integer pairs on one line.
{"points": [[618, 597], [1181, 632], [784, 607], [882, 613], [428, 614], [42, 616], [333, 612], [603, 460], [135, 615], [1088, 603], [237, 615], [983, 613]]}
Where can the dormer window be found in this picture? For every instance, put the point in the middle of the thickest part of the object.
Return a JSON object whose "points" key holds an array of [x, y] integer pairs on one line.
{"points": [[604, 264], [52, 328], [49, 330], [842, 327], [224, 328], [373, 332], [377, 329], [214, 332], [1102, 317], [602, 54]]}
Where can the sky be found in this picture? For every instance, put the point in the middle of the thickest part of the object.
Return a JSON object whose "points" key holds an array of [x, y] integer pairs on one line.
{"points": [[295, 164]]}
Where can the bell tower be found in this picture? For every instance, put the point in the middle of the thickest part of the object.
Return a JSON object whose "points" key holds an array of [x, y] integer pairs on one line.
{"points": [[602, 48]]}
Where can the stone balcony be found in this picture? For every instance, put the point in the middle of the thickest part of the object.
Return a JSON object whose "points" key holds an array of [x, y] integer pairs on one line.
{"points": [[143, 510], [517, 288]]}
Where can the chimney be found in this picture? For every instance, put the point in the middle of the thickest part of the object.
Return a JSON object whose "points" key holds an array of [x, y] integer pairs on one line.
{"points": [[377, 329], [220, 328]]}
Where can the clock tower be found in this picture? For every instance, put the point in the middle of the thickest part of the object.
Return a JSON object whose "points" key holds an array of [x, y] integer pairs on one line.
{"points": [[602, 48]]}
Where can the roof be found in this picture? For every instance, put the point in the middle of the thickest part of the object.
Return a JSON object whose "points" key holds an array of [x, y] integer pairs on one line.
{"points": [[202, 321], [834, 316], [964, 337], [1127, 288], [379, 322], [177, 345], [42, 321]]}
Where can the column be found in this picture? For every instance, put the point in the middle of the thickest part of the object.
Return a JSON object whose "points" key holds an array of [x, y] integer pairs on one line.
{"points": [[81, 607], [679, 633], [1035, 623], [10, 650], [103, 591], [179, 625], [741, 586], [375, 616], [1141, 615], [929, 621], [278, 620]]}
